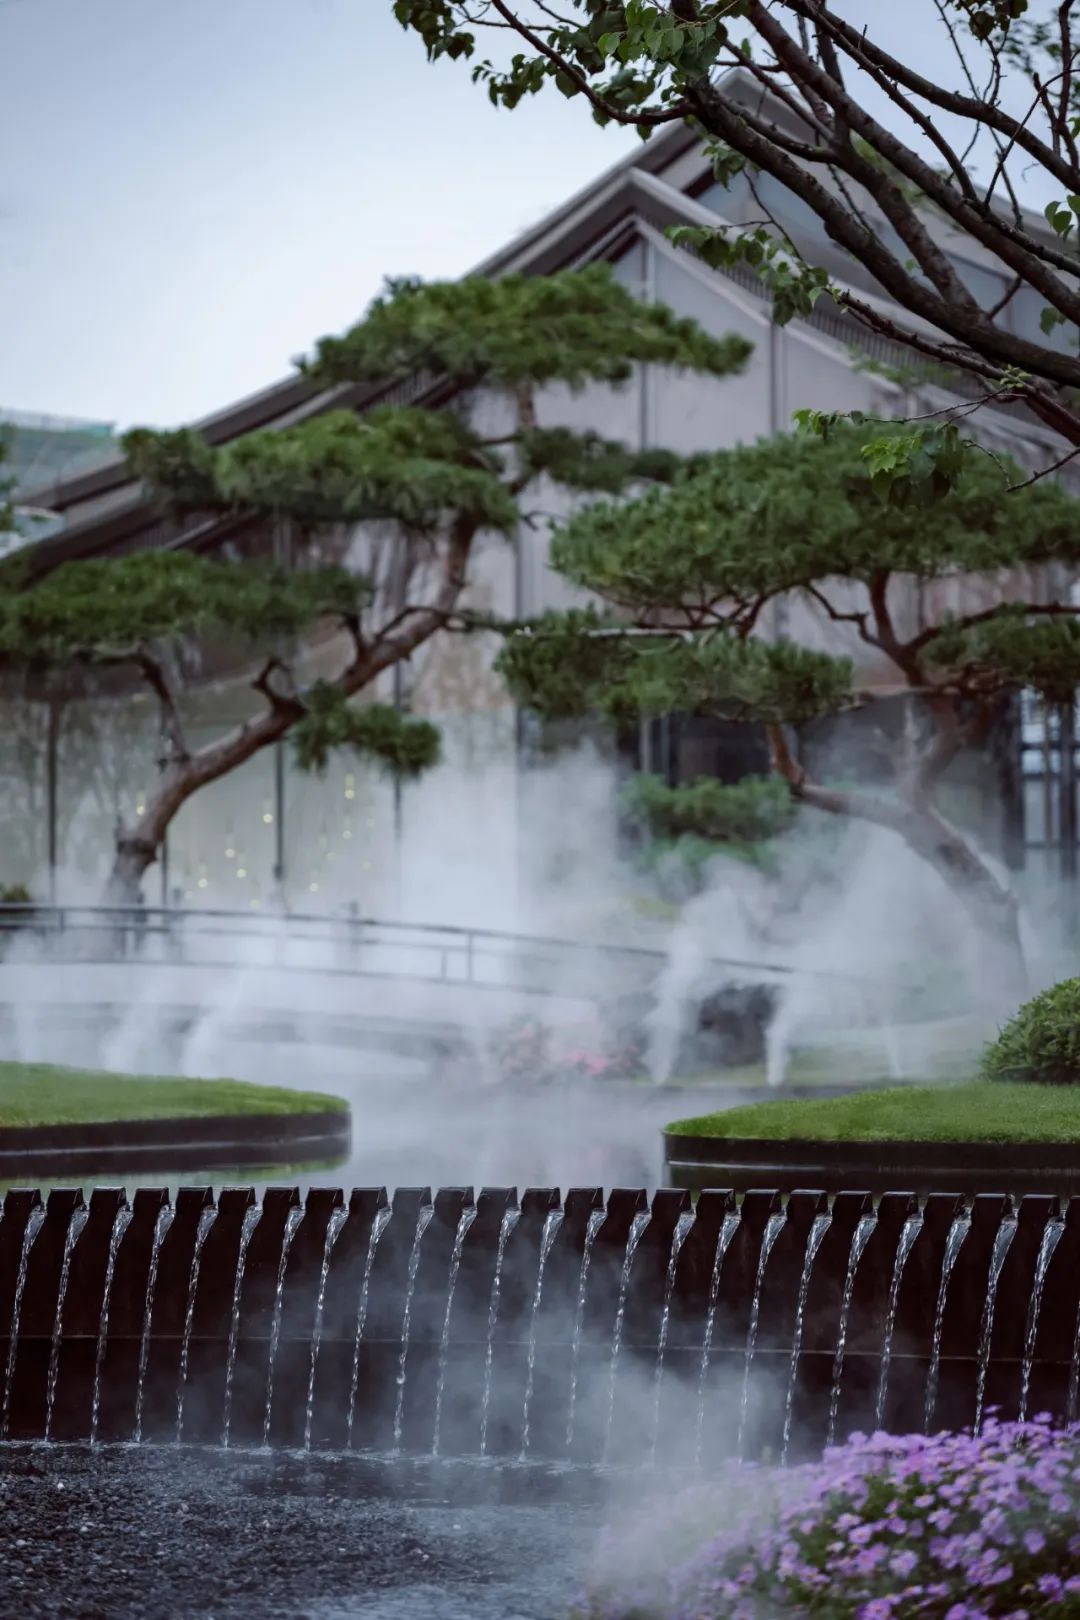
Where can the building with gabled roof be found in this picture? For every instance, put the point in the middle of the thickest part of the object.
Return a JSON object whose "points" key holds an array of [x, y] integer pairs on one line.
{"points": [[265, 818]]}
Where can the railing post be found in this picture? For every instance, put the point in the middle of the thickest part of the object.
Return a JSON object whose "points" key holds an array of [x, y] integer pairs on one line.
{"points": [[52, 752]]}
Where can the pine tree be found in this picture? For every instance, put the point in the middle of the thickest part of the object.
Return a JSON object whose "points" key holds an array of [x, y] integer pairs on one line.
{"points": [[422, 483], [684, 576]]}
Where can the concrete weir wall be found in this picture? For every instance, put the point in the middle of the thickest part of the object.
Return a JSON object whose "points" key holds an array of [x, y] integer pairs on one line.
{"points": [[560, 1328]]}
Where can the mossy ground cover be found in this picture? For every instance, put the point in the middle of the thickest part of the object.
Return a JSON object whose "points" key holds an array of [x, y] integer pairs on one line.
{"points": [[973, 1111], [42, 1094]]}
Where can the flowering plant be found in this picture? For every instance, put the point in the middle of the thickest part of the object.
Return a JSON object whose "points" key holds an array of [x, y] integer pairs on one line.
{"points": [[951, 1527], [613, 1063], [523, 1051], [529, 1051]]}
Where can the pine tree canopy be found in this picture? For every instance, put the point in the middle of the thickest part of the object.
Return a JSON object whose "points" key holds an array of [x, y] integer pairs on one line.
{"points": [[106, 610], [573, 327], [1013, 649], [744, 812], [683, 573], [405, 746], [793, 511], [422, 468], [569, 665], [415, 467]]}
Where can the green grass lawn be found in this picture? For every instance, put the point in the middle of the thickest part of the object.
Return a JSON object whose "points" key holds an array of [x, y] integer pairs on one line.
{"points": [[973, 1111], [806, 1068], [41, 1094]]}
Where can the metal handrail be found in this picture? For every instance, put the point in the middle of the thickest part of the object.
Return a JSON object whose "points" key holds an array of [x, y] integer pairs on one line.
{"points": [[175, 923]]}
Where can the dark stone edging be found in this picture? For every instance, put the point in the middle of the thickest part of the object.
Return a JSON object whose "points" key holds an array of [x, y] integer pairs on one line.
{"points": [[232, 1140], [744, 1162]]}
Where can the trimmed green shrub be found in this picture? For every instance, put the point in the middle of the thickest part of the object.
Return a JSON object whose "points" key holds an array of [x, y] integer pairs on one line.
{"points": [[1042, 1043]]}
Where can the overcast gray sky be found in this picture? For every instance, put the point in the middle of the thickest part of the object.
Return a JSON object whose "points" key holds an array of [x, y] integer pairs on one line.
{"points": [[194, 192]]}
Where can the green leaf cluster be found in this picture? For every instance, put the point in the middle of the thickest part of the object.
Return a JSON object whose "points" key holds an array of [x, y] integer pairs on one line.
{"points": [[989, 17], [569, 665], [1062, 216], [102, 609], [405, 746], [575, 326], [603, 41], [745, 812], [413, 466], [1041, 1045], [794, 286]]}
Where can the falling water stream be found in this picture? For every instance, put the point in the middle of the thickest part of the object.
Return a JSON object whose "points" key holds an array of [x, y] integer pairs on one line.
{"points": [[378, 1227], [207, 1218], [773, 1227], [666, 1296], [958, 1231], [76, 1224], [422, 1224], [552, 1222], [1051, 1236], [506, 1226], [161, 1226], [337, 1220], [120, 1226], [723, 1243], [637, 1227], [818, 1229], [1074, 1375], [33, 1226], [678, 1238], [859, 1239], [250, 1222], [1002, 1244], [292, 1221], [908, 1233], [465, 1221], [592, 1226]]}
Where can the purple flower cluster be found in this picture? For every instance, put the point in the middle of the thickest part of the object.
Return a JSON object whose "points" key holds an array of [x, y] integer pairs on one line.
{"points": [[952, 1527]]}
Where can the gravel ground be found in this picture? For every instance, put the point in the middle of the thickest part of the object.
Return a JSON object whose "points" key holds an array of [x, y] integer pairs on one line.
{"points": [[157, 1533]]}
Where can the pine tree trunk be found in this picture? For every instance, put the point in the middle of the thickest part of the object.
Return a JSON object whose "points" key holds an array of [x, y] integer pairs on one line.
{"points": [[991, 907]]}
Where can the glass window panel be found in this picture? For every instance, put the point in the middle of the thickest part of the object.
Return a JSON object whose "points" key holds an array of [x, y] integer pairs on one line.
{"points": [[1034, 813], [107, 762], [222, 843], [23, 820]]}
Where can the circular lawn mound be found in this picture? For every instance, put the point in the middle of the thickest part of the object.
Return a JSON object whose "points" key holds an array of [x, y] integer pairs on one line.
{"points": [[56, 1121], [975, 1136]]}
